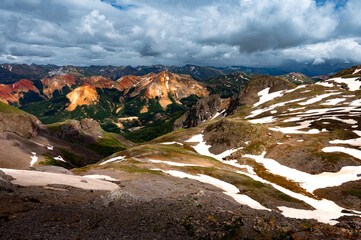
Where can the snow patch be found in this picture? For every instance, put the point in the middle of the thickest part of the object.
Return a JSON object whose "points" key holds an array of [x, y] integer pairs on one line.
{"points": [[266, 96], [350, 151], [228, 188], [310, 182], [173, 163], [325, 84], [218, 114], [35, 178], [296, 129], [59, 158], [356, 71], [203, 148], [269, 119], [318, 98], [334, 101], [34, 159], [113, 160], [102, 177], [352, 83]]}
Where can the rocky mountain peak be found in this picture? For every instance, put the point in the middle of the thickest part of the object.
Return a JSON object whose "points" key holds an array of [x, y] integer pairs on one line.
{"points": [[11, 93], [205, 109], [249, 95], [56, 83], [84, 95]]}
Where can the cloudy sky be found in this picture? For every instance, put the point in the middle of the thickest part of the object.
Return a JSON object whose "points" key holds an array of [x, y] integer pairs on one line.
{"points": [[179, 32]]}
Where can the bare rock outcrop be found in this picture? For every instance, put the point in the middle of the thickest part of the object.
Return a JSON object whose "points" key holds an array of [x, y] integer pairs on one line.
{"points": [[249, 95], [203, 110], [24, 125]]}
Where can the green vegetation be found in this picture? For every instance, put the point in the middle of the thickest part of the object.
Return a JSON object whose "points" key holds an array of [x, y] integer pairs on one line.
{"points": [[5, 108], [354, 192], [228, 85], [157, 128], [188, 102], [255, 148], [233, 133], [133, 169], [49, 161], [106, 146], [72, 158], [109, 126], [155, 122]]}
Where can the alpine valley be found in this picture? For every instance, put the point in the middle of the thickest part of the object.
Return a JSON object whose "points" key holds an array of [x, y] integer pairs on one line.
{"points": [[157, 152]]}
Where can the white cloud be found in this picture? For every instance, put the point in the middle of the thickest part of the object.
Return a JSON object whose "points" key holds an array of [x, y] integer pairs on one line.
{"points": [[206, 32]]}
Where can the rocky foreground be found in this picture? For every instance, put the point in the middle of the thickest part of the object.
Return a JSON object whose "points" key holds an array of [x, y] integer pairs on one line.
{"points": [[148, 207]]}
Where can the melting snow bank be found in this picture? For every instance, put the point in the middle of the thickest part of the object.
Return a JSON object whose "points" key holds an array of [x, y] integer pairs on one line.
{"points": [[35, 178], [325, 211], [296, 129], [350, 151], [228, 189], [218, 114], [173, 163], [352, 83], [318, 98], [102, 177], [309, 182], [119, 158], [265, 96], [203, 148], [34, 159], [352, 142]]}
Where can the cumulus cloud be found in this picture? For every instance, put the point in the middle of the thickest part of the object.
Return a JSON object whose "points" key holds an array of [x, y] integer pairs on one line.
{"points": [[205, 32]]}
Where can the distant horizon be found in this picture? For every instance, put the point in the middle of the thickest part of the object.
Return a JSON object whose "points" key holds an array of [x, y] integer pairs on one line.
{"points": [[308, 70]]}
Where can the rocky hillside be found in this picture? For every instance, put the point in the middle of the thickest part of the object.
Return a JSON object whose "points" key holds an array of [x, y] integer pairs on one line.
{"points": [[252, 92], [297, 78], [141, 107], [206, 108], [228, 85], [13, 93], [24, 141]]}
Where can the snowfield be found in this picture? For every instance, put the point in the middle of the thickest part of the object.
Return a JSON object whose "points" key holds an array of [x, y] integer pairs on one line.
{"points": [[352, 83], [228, 189], [265, 96], [35, 178], [326, 211]]}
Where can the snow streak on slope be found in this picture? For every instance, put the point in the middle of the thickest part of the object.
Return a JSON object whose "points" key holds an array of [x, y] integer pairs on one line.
{"points": [[265, 96], [325, 211], [318, 98], [309, 182], [119, 158], [228, 189], [296, 129], [352, 83]]}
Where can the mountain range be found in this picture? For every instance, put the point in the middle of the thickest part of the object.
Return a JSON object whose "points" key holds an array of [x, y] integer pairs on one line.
{"points": [[140, 107], [236, 156]]}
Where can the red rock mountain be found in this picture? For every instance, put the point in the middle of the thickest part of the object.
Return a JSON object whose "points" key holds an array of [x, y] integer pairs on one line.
{"points": [[57, 83], [84, 95], [160, 85], [11, 93], [163, 86]]}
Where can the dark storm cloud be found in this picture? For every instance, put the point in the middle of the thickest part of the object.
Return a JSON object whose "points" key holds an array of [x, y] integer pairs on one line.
{"points": [[207, 32], [20, 52]]}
